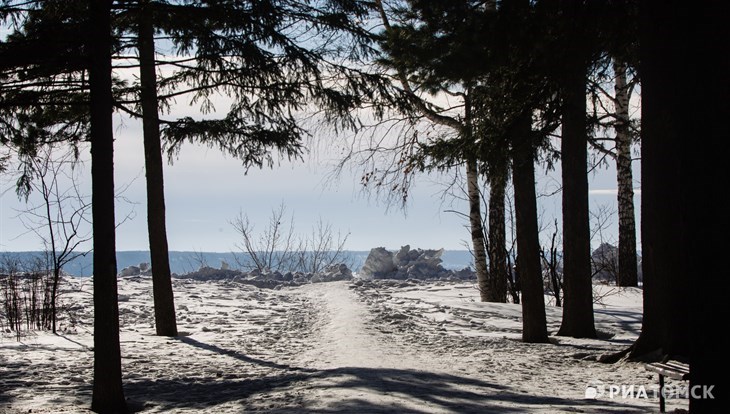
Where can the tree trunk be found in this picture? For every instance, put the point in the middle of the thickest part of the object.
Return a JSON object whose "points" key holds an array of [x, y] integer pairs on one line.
{"points": [[165, 322], [577, 283], [656, 188], [534, 324], [498, 271], [661, 238], [627, 264], [107, 394], [704, 111], [477, 230], [707, 224], [684, 129], [54, 294]]}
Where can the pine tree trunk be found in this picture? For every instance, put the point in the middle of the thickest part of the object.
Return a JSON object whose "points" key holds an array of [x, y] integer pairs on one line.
{"points": [[704, 110], [534, 325], [627, 264], [665, 130], [165, 322], [684, 129], [477, 230], [107, 393], [497, 288], [656, 259], [577, 284], [659, 167]]}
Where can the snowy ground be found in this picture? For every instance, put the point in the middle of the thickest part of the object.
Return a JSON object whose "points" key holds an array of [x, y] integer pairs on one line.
{"points": [[384, 346]]}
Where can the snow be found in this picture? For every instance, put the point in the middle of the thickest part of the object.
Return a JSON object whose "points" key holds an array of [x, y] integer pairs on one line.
{"points": [[347, 346]]}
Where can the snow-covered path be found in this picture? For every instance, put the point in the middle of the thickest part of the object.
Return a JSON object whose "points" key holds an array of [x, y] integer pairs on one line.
{"points": [[343, 336], [365, 358], [364, 370]]}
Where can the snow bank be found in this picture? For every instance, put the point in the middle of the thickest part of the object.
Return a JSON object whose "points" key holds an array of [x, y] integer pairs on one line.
{"points": [[409, 263], [270, 280]]}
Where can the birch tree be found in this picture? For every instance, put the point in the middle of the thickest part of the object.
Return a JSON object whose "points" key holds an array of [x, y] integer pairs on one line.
{"points": [[627, 263]]}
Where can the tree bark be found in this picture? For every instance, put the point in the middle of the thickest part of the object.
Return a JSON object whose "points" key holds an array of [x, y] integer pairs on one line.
{"points": [[684, 129], [477, 230], [627, 264], [54, 294], [656, 190], [107, 393], [165, 322], [498, 271], [706, 221], [707, 224], [577, 284], [534, 324], [659, 176]]}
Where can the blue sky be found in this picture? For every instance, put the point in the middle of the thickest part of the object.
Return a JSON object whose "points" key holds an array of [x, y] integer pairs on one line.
{"points": [[205, 190]]}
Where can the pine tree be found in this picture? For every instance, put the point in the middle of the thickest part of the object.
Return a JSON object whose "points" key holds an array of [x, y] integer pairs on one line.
{"points": [[107, 394], [57, 86], [254, 54], [534, 327], [485, 60], [681, 161], [165, 321], [409, 51]]}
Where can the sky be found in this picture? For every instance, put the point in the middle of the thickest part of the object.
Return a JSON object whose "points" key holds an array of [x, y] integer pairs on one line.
{"points": [[205, 190]]}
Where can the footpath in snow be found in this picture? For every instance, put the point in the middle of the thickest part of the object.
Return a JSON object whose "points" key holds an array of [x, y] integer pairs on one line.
{"points": [[362, 370]]}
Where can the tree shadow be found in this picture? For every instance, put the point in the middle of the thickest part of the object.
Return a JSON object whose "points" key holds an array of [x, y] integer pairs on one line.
{"points": [[409, 391], [19, 376], [628, 321], [237, 355]]}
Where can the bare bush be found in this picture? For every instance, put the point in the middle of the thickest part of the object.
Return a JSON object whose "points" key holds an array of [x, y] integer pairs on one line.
{"points": [[322, 248], [278, 248], [270, 250], [60, 219], [27, 295], [11, 294]]}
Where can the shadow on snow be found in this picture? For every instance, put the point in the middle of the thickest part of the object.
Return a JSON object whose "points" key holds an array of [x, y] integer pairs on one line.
{"points": [[429, 391], [281, 390]]}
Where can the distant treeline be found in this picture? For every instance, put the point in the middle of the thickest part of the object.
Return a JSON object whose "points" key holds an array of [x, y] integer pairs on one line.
{"points": [[185, 262]]}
